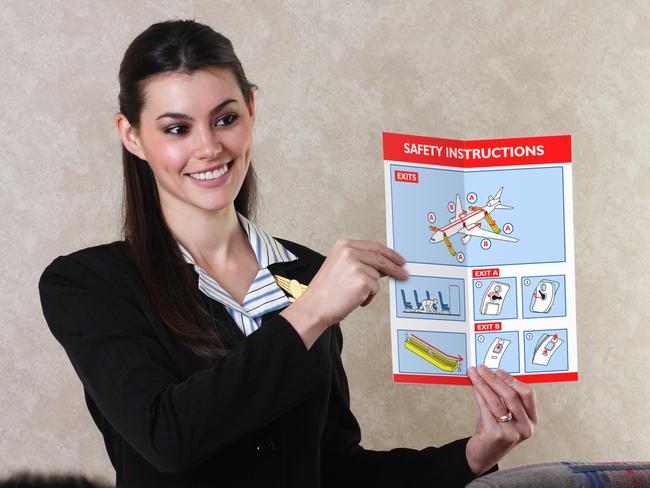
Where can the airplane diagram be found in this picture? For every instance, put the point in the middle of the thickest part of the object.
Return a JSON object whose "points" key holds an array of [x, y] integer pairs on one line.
{"points": [[469, 224]]}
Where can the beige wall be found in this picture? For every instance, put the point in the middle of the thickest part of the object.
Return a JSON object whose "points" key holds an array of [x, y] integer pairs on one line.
{"points": [[333, 75]]}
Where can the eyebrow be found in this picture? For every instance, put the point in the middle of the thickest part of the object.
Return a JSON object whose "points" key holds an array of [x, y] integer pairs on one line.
{"points": [[178, 115]]}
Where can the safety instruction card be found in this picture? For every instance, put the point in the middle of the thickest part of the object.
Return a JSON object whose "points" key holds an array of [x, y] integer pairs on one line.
{"points": [[486, 227]]}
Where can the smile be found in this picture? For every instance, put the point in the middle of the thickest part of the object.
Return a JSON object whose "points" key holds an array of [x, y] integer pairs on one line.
{"points": [[211, 175]]}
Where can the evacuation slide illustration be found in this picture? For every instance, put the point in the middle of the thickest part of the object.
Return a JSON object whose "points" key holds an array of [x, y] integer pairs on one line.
{"points": [[486, 227]]}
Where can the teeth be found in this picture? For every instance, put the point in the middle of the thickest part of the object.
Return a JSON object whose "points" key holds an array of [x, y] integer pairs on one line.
{"points": [[211, 175]]}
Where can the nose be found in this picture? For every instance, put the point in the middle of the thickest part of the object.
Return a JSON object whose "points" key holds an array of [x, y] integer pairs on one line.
{"points": [[437, 236], [208, 145]]}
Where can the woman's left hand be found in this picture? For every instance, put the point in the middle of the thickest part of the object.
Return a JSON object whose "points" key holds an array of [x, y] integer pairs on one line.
{"points": [[498, 395]]}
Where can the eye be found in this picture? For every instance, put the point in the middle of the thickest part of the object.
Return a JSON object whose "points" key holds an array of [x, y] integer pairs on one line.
{"points": [[229, 119], [176, 130]]}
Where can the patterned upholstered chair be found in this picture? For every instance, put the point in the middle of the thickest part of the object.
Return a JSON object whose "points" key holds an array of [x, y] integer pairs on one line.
{"points": [[569, 475]]}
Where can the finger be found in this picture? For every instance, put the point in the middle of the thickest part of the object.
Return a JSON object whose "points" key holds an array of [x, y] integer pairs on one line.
{"points": [[526, 393], [381, 264], [379, 248], [370, 271], [368, 300], [374, 289], [365, 268], [492, 399], [510, 397], [483, 409]]}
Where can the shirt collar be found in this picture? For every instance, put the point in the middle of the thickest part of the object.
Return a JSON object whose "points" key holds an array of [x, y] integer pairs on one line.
{"points": [[267, 249]]}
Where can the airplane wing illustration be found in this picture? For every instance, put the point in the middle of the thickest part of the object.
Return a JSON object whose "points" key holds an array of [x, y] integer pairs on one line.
{"points": [[459, 210], [478, 232]]}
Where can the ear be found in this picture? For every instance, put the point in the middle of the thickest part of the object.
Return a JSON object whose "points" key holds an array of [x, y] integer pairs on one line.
{"points": [[129, 136], [251, 111]]}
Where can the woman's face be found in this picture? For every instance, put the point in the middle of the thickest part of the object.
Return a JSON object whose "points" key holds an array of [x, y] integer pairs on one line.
{"points": [[196, 134]]}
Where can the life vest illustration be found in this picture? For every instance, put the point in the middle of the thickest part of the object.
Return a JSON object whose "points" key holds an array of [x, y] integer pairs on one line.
{"points": [[292, 287]]}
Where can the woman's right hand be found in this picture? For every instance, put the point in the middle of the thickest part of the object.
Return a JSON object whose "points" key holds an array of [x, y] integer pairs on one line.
{"points": [[348, 278]]}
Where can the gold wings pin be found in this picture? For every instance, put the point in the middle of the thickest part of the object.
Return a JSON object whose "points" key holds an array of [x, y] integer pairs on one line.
{"points": [[291, 286]]}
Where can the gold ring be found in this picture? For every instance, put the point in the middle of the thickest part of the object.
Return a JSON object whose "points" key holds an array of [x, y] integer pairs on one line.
{"points": [[504, 418]]}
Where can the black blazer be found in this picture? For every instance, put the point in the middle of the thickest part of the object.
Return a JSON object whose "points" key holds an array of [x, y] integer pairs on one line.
{"points": [[270, 413]]}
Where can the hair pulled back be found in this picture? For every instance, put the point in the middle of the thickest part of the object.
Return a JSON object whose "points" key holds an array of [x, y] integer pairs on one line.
{"points": [[185, 46]]}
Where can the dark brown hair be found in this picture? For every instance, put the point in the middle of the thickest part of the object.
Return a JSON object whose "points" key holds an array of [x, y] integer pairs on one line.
{"points": [[186, 46], [26, 479]]}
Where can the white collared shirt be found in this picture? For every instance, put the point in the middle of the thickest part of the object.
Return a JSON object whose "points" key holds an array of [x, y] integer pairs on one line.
{"points": [[264, 295]]}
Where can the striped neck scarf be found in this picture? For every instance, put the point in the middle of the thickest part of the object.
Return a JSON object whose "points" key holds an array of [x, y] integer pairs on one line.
{"points": [[264, 295]]}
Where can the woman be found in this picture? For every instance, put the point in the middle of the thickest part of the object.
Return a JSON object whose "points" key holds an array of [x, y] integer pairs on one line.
{"points": [[209, 351]]}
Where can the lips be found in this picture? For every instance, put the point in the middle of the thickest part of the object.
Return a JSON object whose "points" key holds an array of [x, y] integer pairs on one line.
{"points": [[211, 168], [211, 174]]}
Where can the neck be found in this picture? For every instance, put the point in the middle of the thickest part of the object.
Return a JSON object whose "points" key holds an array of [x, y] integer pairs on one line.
{"points": [[212, 238]]}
